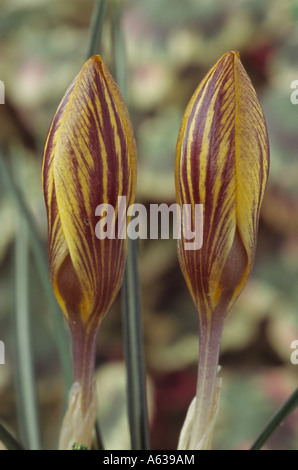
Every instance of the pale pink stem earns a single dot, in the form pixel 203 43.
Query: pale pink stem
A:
pixel 210 338
pixel 84 351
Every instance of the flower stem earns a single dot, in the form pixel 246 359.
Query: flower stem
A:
pixel 79 420
pixel 84 351
pixel 206 395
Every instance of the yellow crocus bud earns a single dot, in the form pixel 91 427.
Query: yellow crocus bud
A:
pixel 222 162
pixel 89 160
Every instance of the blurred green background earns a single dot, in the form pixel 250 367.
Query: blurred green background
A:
pixel 170 46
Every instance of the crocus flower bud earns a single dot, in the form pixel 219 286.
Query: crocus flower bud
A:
pixel 89 160
pixel 222 162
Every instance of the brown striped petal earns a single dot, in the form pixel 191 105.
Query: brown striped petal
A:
pixel 222 162
pixel 89 159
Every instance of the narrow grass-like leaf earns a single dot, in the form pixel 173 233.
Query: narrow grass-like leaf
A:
pixel 62 340
pixel 96 26
pixel 133 348
pixel 288 407
pixel 10 442
pixel 131 305
pixel 119 50
pixel 25 364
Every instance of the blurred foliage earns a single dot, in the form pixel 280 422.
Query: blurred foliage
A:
pixel 170 46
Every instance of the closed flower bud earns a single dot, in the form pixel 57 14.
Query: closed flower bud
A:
pixel 222 162
pixel 89 160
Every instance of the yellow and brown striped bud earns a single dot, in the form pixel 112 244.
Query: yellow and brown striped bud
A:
pixel 222 162
pixel 89 160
